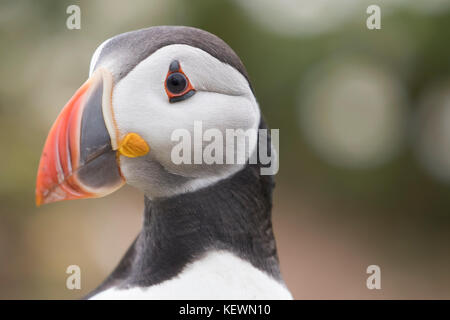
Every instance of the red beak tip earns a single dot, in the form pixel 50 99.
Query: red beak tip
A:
pixel 40 200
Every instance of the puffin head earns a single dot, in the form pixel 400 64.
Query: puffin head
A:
pixel 148 90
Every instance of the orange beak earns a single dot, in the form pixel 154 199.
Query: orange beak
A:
pixel 78 160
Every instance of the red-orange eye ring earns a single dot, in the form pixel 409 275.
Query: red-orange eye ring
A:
pixel 177 84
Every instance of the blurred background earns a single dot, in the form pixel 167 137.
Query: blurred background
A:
pixel 364 119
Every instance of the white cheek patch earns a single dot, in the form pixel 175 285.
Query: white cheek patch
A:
pixel 223 100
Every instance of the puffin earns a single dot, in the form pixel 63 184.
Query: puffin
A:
pixel 207 228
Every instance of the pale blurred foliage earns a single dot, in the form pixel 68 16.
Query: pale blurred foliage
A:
pixel 433 130
pixel 353 113
pixel 305 17
pixel 362 118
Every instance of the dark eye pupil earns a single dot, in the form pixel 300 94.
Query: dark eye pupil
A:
pixel 176 82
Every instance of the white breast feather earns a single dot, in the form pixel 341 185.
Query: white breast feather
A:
pixel 218 275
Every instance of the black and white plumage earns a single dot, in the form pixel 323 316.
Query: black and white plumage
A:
pixel 207 231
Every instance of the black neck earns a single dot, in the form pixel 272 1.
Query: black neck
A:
pixel 233 214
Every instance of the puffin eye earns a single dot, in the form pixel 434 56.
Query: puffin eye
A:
pixel 177 84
